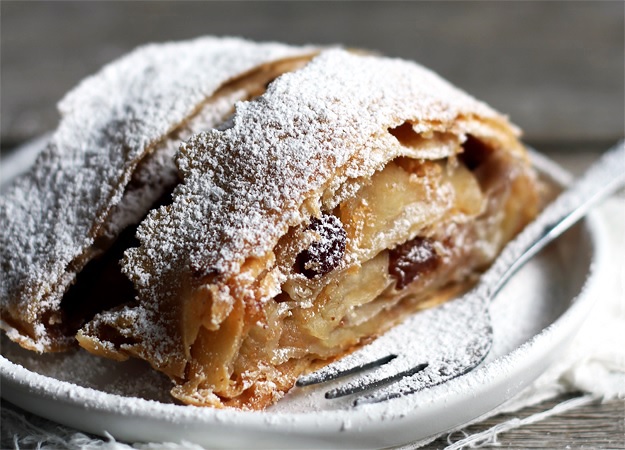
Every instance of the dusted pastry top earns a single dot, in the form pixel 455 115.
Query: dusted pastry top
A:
pixel 289 153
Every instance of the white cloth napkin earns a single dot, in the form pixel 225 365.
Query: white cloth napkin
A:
pixel 594 365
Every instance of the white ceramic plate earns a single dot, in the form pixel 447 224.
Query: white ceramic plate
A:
pixel 533 318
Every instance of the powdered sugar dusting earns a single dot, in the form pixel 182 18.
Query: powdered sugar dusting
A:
pixel 325 252
pixel 158 173
pixel 111 121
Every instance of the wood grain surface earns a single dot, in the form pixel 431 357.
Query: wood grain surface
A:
pixel 556 68
pixel 593 426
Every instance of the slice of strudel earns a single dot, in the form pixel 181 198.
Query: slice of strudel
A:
pixel 355 190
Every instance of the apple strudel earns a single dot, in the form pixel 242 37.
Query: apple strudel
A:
pixel 341 193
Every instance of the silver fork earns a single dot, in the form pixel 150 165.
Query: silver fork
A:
pixel 442 343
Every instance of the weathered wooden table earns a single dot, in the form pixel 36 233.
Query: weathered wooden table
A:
pixel 557 68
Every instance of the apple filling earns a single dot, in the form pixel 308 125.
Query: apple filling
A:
pixel 416 234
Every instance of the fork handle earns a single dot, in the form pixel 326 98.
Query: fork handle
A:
pixel 602 179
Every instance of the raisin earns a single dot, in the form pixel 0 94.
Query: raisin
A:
pixel 326 253
pixel 412 260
